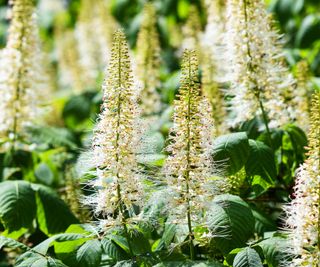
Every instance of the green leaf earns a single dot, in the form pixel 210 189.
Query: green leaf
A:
pixel 113 250
pixel 140 244
pixel 89 254
pixel 15 234
pixel 44 174
pixel 167 237
pixel 263 222
pixel 126 263
pixel 55 263
pixel 308 31
pixel 53 214
pixel 17 205
pixel 248 257
pixel 276 138
pixel 11 243
pixel 297 137
pixel 261 162
pixel 53 136
pixel 31 259
pixel 44 245
pixel 78 109
pixel 231 221
pixel 151 159
pixel 120 241
pixel 232 150
pixel 274 250
pixel 189 264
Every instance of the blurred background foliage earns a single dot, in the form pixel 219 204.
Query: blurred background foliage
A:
pixel 299 20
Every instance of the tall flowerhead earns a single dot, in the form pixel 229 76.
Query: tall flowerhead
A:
pixel 259 81
pixel 189 167
pixel 21 74
pixel 115 139
pixel 71 72
pixel 148 61
pixel 93 30
pixel 212 39
pixel 303 212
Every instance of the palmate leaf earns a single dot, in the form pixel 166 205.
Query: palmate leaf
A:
pixel 248 257
pixel 22 202
pixel 231 221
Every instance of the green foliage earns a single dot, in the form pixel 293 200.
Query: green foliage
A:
pixel 22 202
pixel 52 136
pixel 50 222
pixel 261 166
pixel 248 257
pixel 11 243
pixel 232 150
pixel 231 222
pixel 87 255
pixel 17 205
pixel 274 250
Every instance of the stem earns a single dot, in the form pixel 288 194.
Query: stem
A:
pixel 266 121
pixel 124 222
pixel 120 201
pixel 191 236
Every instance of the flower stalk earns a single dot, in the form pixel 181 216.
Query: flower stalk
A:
pixel 304 212
pixel 115 143
pixel 148 61
pixel 260 83
pixel 189 166
pixel 23 78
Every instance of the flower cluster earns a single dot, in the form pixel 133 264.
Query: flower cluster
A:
pixel 189 166
pixel 71 72
pixel 115 140
pixel 212 39
pixel 148 61
pixel 93 33
pixel 303 212
pixel 258 76
pixel 22 76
